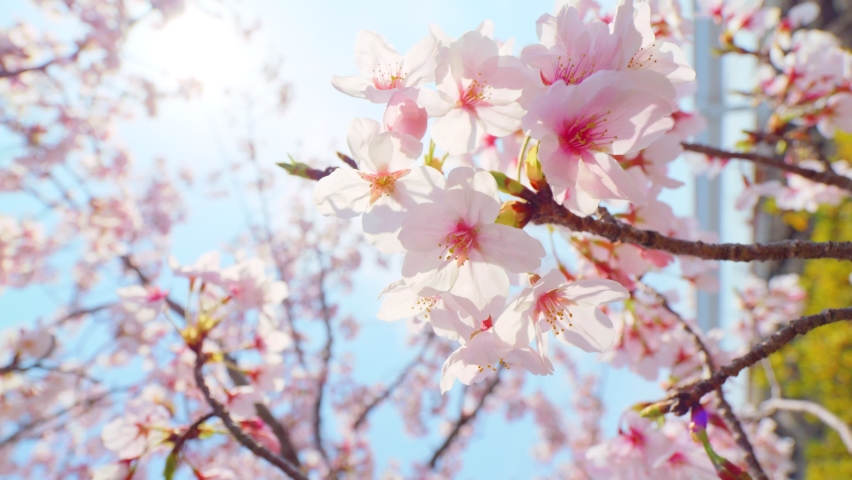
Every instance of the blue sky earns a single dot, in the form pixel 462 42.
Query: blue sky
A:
pixel 315 41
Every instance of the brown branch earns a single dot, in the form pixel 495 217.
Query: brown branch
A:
pixel 737 432
pixel 42 67
pixel 826 177
pixel 325 356
pixel 464 419
pixel 145 281
pixel 288 451
pixel 546 211
pixel 829 419
pixel 684 400
pixel 286 448
pixel 236 432
pixel 24 429
pixel 393 386
pixel 740 437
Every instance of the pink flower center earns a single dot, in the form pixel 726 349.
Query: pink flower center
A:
pixel 155 294
pixel 475 95
pixel 586 134
pixel 570 72
pixel 459 243
pixel 388 77
pixel 382 183
pixel 554 307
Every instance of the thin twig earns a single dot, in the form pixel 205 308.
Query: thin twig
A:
pixel 238 434
pixel 85 403
pixel 325 356
pixel 464 419
pixel 826 177
pixel 829 419
pixel 396 383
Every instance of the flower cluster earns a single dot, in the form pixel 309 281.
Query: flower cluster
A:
pixel 598 101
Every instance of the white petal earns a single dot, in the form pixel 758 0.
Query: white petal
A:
pixel 510 248
pixel 343 194
pixel 353 86
pixel 595 291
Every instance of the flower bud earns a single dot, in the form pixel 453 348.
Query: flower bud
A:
pixel 699 419
pixel 403 115
pixel 532 167
pixel 514 214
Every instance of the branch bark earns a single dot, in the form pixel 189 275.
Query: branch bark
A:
pixel 544 210
pixel 396 383
pixel 827 177
pixel 682 402
pixel 829 419
pixel 219 410
pixel 730 417
pixel 464 419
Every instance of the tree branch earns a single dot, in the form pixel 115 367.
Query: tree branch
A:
pixel 731 419
pixel 464 419
pixel 826 177
pixel 396 383
pixel 544 210
pixel 682 402
pixel 325 356
pixel 829 419
pixel 286 448
pixel 238 434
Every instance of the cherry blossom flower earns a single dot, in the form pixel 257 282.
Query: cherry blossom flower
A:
pixel 477 92
pixel 143 303
pixel 403 114
pixel 455 246
pixel 248 283
pixel 386 184
pixel 133 435
pixel 571 309
pixel 487 349
pixel 384 71
pixel 581 126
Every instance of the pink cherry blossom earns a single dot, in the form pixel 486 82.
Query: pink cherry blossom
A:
pixel 386 184
pixel 571 309
pixel 403 114
pixel 488 349
pixel 477 92
pixel 581 126
pixel 455 246
pixel 384 71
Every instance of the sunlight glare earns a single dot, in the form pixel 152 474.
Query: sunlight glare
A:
pixel 200 46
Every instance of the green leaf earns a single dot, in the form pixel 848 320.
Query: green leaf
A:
pixel 171 465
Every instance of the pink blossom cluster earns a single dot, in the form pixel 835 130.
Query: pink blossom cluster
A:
pixel 597 98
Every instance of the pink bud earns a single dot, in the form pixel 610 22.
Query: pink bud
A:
pixel 403 115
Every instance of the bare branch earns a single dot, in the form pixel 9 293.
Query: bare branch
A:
pixel 827 177
pixel 396 383
pixel 238 434
pixel 287 449
pixel 325 356
pixel 829 419
pixel 26 428
pixel 683 401
pixel 464 419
